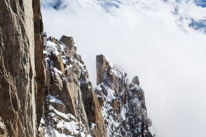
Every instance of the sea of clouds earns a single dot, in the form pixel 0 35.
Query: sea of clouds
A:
pixel 148 38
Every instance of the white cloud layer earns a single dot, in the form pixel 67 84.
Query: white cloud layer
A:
pixel 152 40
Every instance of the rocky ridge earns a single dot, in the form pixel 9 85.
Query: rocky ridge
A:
pixel 45 89
pixel 122 103
pixel 72 108
pixel 75 108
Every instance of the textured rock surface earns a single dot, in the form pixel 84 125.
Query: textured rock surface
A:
pixel 116 107
pixel 122 103
pixel 72 108
pixel 3 129
pixel 17 68
pixel 39 60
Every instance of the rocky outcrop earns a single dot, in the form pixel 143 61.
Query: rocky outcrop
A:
pixel 71 107
pixel 137 111
pixel 115 107
pixel 122 103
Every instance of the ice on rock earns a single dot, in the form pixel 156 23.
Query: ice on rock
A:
pixel 57 71
pixel 151 130
pixel 98 87
pixel 62 47
pixel 123 113
pixel 51 48
pixel 53 99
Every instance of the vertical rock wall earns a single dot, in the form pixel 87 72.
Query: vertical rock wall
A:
pixel 39 59
pixel 19 43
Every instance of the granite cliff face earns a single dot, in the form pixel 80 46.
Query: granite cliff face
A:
pixel 45 89
pixel 19 44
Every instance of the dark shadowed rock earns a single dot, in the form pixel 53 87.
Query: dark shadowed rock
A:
pixel 135 80
pixel 39 59
pixel 124 110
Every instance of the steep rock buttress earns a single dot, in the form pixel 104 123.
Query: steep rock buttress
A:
pixel 19 66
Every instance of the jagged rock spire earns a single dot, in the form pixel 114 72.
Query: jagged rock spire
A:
pixel 101 66
pixel 135 80
pixel 122 103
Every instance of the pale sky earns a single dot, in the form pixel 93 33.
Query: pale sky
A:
pixel 151 39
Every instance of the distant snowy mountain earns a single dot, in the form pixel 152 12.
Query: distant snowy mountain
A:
pixel 185 10
pixel 198 25
pixel 201 3
pixel 56 4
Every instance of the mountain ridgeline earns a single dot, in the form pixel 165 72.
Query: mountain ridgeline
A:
pixel 45 89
